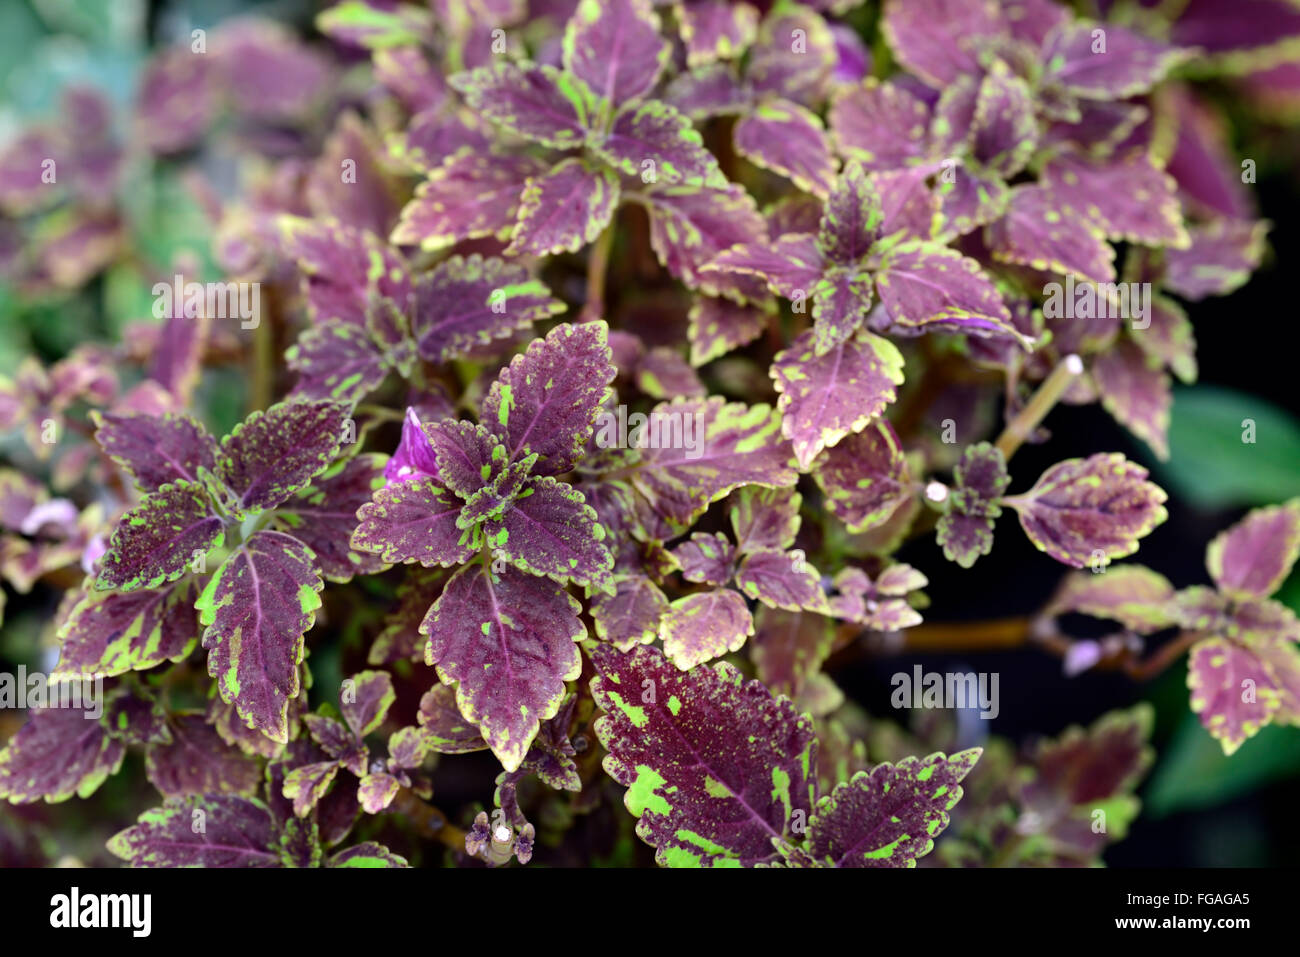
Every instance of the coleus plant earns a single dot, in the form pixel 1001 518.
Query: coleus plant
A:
pixel 784 237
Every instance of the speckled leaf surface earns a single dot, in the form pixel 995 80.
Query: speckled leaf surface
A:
pixel 1252 558
pixel 507 642
pixel 615 47
pixel 156 450
pixel 58 752
pixel 255 610
pixel 415 521
pixel 888 816
pixel 864 478
pixel 546 401
pixel 237 832
pixel 155 542
pixel 272 454
pixel 702 626
pixel 826 397
pixel 466 302
pixel 110 634
pixel 1081 509
pixel 716 768
pixel 323 516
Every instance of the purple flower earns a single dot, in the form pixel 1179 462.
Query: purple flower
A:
pixel 414 455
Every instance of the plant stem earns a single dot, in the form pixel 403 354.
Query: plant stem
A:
pixel 597 266
pixel 429 819
pixel 1028 418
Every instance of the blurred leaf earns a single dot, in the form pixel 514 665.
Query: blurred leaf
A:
pixel 121 21
pixel 1210 465
pixel 20 29
pixel 1194 773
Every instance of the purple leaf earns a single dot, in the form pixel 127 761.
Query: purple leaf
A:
pixel 781 579
pixel 1036 233
pixel 880 125
pixel 788 139
pixel 970 198
pixel 154 542
pixel 841 301
pixel 790 265
pixel 443 727
pixel 824 398
pixel 337 362
pixel 1090 510
pixel 706 558
pixel 342 267
pixel 889 816
pixel 109 634
pixel 1129 198
pixel 1169 338
pixel 272 454
pixel 708 91
pixel 864 478
pixel 1222 256
pixel 468 302
pixel 716 769
pixel 907 203
pixel 547 400
pixel 851 221
pixel 664 373
pixel 656 142
pixel 689 227
pixel 1231 691
pixel 324 516
pixel 564 209
pixel 922 283
pixel 538 102
pixel 1106 62
pixel 255 610
pixel 732 445
pixel 789 649
pixel 366 707
pixel 718 326
pixel 938 40
pixel 965 530
pixel 1004 128
pixel 237 832
pixel 549 529
pixel 197 761
pixel 793 56
pixel 1134 596
pixel 630 616
pixel 765 518
pixel 615 48
pixel 508 644
pixel 57 753
pixel 1136 392
pixel 368 198
pixel 468 456
pixel 415 521
pixel 702 626
pixel 156 450
pixel 716 29
pixel 1252 558
pixel 470 196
